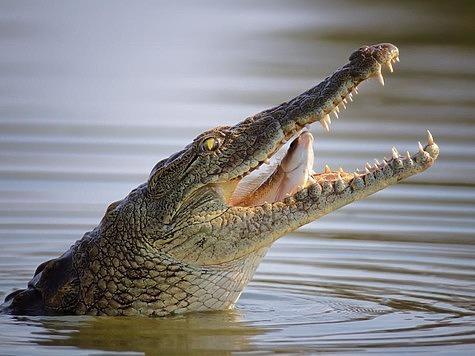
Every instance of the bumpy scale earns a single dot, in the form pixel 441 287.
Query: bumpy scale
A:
pixel 181 243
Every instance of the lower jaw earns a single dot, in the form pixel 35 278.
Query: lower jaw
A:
pixel 372 178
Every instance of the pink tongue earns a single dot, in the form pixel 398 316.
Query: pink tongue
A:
pixel 278 180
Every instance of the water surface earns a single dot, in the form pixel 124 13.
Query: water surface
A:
pixel 94 94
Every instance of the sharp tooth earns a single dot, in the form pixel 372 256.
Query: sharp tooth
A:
pixel 337 109
pixel 341 170
pixel 430 139
pixel 366 170
pixel 397 59
pixel 421 149
pixel 356 90
pixel 325 125
pixel 376 161
pixel 350 96
pixel 390 67
pixel 343 104
pixel 379 76
pixel 327 169
pixel 327 118
pixel 368 166
pixel 408 155
pixel 345 101
pixel 395 153
pixel 335 113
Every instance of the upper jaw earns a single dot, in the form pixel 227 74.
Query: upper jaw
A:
pixel 272 128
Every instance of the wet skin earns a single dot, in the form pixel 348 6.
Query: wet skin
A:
pixel 191 237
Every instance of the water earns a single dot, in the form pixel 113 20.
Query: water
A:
pixel 94 94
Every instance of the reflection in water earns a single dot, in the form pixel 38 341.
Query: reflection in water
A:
pixel 92 96
pixel 201 332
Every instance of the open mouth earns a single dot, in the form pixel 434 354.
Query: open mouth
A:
pixel 287 171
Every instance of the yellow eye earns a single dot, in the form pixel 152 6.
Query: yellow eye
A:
pixel 210 144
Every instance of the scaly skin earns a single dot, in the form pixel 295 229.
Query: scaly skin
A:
pixel 176 244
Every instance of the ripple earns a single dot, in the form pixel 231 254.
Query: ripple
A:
pixel 87 108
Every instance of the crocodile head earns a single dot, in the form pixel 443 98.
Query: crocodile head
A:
pixel 216 207
pixel 191 237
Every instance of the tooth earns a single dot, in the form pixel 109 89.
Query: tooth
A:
pixel 408 155
pixel 395 153
pixel 421 149
pixel 390 67
pixel 356 90
pixel 340 170
pixel 343 104
pixel 337 109
pixel 430 139
pixel 376 161
pixel 345 101
pixel 350 96
pixel 368 166
pixel 379 76
pixel 335 113
pixel 357 171
pixel 366 170
pixel 397 59
pixel 327 169
pixel 325 124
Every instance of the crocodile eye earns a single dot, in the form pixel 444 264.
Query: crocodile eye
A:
pixel 210 144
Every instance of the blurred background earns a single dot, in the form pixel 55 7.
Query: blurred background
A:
pixel 93 94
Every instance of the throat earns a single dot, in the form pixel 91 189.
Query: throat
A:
pixel 282 178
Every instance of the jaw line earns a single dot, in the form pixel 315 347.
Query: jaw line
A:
pixel 299 127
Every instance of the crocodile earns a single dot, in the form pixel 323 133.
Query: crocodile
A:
pixel 191 237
